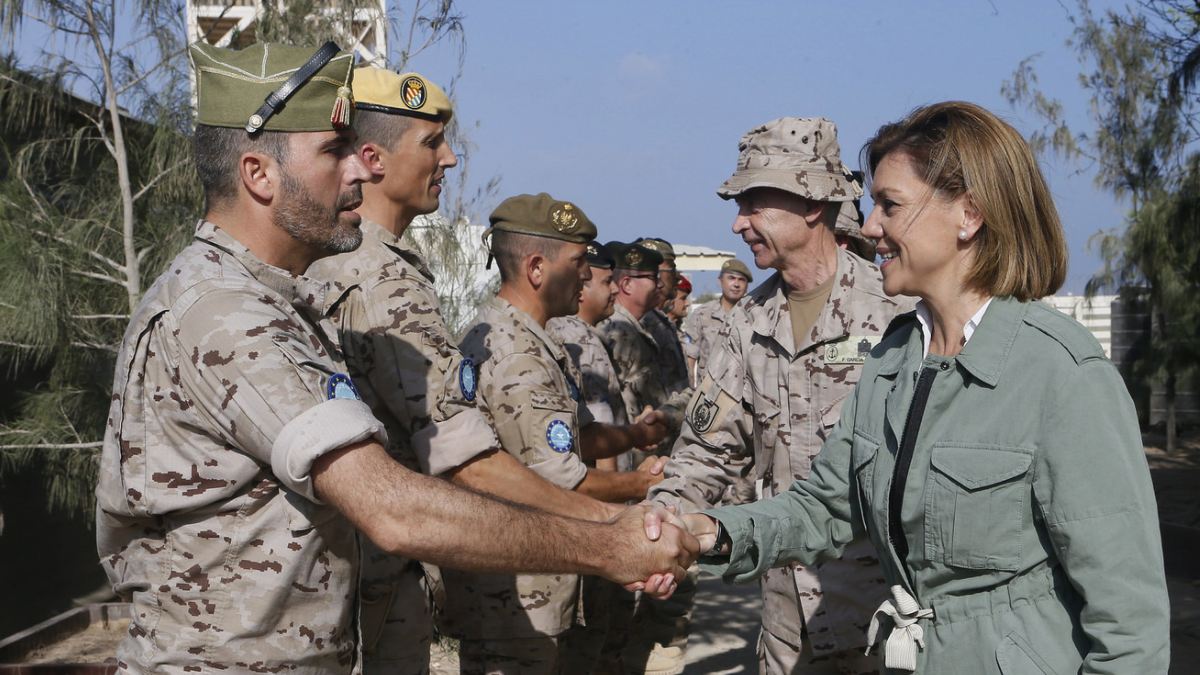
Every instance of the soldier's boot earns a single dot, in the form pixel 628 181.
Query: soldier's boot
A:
pixel 659 635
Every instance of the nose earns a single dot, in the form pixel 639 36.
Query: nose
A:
pixel 872 227
pixel 586 273
pixel 449 159
pixel 356 170
pixel 740 224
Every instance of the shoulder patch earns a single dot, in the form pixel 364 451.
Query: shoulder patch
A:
pixel 559 436
pixel 340 386
pixel 468 378
pixel 1068 332
pixel 705 415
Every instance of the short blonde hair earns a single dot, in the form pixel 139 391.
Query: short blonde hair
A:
pixel 958 147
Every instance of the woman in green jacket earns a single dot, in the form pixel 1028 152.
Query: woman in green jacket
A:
pixel 990 450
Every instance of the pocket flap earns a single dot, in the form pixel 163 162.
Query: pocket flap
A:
pixel 551 401
pixel 980 466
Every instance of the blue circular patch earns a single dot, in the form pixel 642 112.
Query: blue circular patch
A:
pixel 340 386
pixel 467 379
pixel 559 436
pixel 572 388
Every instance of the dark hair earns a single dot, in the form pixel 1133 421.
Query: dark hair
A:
pixel 382 129
pixel 217 150
pixel 958 148
pixel 512 248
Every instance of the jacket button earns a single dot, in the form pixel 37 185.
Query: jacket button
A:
pixel 945 366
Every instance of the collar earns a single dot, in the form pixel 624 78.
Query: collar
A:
pixel 987 351
pixel 527 322
pixel 372 229
pixel 775 322
pixel 925 319
pixel 626 315
pixel 301 291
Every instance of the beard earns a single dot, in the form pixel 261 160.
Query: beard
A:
pixel 313 223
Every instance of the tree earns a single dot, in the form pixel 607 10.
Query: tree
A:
pixel 1139 149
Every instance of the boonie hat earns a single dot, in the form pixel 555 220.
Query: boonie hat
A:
pixel 735 266
pixel 381 90
pixel 635 257
pixel 661 245
pixel 273 87
pixel 796 155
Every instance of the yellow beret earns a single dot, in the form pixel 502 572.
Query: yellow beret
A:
pixel 409 94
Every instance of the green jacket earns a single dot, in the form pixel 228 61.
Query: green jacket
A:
pixel 1028 511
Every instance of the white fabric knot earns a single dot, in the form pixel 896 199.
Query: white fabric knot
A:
pixel 900 650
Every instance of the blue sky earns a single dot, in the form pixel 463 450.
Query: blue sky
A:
pixel 633 110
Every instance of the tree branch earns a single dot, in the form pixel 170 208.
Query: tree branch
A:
pixel 54 446
pixel 159 177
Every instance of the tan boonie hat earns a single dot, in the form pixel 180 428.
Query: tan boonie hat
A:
pixel 273 87
pixel 661 245
pixel 795 155
pixel 849 223
pixel 409 94
pixel 542 216
pixel 635 257
pixel 735 266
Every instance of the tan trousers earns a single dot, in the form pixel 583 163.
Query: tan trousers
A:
pixel 779 657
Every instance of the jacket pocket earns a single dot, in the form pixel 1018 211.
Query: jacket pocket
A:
pixel 863 453
pixel 1015 656
pixel 976 505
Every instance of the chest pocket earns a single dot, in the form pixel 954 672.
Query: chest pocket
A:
pixel 976 506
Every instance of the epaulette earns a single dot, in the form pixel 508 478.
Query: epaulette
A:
pixel 1076 339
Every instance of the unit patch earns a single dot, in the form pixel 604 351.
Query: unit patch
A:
pixel 559 436
pixel 413 92
pixel 703 414
pixel 467 379
pixel 851 351
pixel 340 386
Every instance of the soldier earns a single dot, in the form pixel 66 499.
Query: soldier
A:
pixel 238 459
pixel 403 361
pixel 789 355
pixel 682 303
pixel 671 362
pixel 706 320
pixel 510 624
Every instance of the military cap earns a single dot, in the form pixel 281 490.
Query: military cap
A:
pixel 735 266
pixel 684 285
pixel 543 216
pixel 598 256
pixel 411 95
pixel 660 245
pixel 800 156
pixel 635 257
pixel 273 87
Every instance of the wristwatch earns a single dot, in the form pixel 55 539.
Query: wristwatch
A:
pixel 722 539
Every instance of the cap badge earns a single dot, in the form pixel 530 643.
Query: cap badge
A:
pixel 565 219
pixel 413 92
pixel 592 250
pixel 634 257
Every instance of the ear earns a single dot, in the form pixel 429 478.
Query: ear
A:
pixel 373 157
pixel 535 270
pixel 813 211
pixel 972 218
pixel 260 175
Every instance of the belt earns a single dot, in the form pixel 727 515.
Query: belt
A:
pixel 900 650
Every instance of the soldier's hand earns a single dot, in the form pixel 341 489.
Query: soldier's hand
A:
pixel 643 564
pixel 654 466
pixel 702 527
pixel 651 427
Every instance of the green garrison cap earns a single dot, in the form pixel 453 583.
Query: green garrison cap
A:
pixel 661 245
pixel 635 257
pixel 735 266
pixel 543 216
pixel 409 94
pixel 598 256
pixel 273 87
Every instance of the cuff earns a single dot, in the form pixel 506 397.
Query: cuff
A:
pixel 566 471
pixel 321 429
pixel 742 564
pixel 451 443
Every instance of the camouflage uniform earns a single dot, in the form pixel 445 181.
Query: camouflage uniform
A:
pixel 763 396
pixel 635 355
pixel 225 394
pixel 406 367
pixel 672 363
pixel 599 387
pixel 528 383
pixel 701 327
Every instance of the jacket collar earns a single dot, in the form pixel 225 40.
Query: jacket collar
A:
pixel 833 324
pixel 506 308
pixel 301 291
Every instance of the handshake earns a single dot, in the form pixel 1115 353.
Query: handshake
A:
pixel 652 547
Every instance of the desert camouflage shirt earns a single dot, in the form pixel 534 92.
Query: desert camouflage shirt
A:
pixel 406 367
pixel 672 363
pixel 767 396
pixel 226 391
pixel 531 388
pixel 599 387
pixel 635 355
pixel 701 328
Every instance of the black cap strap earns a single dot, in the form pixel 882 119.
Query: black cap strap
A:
pixel 277 98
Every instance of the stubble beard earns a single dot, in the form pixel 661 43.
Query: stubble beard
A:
pixel 313 223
